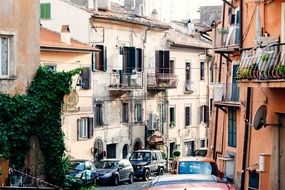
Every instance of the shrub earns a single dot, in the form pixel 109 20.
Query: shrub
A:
pixel 176 153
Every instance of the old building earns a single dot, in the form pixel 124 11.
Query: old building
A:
pixel 249 114
pixel 19 45
pixel 61 52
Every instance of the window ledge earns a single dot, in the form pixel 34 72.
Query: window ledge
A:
pixel 8 78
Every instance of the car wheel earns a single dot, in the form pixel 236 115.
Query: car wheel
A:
pixel 160 171
pixel 131 178
pixel 116 180
pixel 146 175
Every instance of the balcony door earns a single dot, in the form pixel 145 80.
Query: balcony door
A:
pixel 235 88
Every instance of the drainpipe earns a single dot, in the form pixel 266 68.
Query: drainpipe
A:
pixel 246 130
pixel 219 80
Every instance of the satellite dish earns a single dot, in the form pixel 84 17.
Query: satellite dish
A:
pixel 260 117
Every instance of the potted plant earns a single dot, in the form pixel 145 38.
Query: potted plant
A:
pixel 176 153
pixel 244 73
pixel 281 70
pixel 171 124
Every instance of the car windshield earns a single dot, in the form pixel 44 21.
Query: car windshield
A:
pixel 195 167
pixel 79 166
pixel 107 164
pixel 140 156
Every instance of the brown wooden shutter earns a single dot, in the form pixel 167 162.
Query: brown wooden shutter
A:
pixel 78 129
pixel 166 61
pixel 90 127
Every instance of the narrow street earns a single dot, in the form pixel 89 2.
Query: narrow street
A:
pixel 137 185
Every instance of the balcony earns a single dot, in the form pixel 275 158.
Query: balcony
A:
pixel 227 39
pixel 226 94
pixel 161 81
pixel 262 67
pixel 126 81
pixel 189 87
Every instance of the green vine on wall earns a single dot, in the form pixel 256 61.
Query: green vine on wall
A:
pixel 36 114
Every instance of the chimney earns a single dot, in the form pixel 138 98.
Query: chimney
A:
pixel 93 5
pixel 65 34
pixel 104 4
pixel 154 14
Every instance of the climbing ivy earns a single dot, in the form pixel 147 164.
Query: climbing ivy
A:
pixel 37 113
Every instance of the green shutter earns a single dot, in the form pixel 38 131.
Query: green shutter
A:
pixel 131 59
pixel 105 65
pixel 45 10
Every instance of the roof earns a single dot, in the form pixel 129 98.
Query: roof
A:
pixel 194 186
pixel 179 39
pixel 196 158
pixel 51 40
pixel 118 13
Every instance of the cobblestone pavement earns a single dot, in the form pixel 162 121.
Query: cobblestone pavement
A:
pixel 136 185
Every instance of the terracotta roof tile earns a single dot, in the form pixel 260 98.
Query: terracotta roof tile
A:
pixel 52 39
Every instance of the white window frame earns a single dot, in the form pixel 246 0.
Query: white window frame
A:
pixel 83 128
pixel 8 56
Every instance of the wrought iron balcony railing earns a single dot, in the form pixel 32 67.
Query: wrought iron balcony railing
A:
pixel 262 64
pixel 161 80
pixel 126 81
pixel 226 92
pixel 227 37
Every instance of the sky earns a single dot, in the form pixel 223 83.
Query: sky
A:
pixel 177 9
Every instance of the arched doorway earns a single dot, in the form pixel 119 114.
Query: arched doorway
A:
pixel 98 150
pixel 125 151
pixel 137 144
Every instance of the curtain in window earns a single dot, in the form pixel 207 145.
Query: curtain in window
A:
pixel 4 55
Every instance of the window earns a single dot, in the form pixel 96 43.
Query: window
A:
pixel 85 78
pixel 212 73
pixel 162 62
pixel 99 114
pixel 45 10
pixel 189 148
pixel 204 113
pixel 125 113
pixel 51 67
pixel 188 71
pixel 187 116
pixel 202 71
pixel 4 56
pixel 232 127
pixel 84 128
pixel 138 113
pixel 172 115
pixel 99 59
pixel 132 60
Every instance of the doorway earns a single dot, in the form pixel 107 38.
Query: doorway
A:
pixel 111 151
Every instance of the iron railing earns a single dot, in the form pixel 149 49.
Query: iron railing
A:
pixel 132 81
pixel 161 80
pixel 266 63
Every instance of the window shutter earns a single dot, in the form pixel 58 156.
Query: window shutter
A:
pixel 201 113
pixel 78 129
pixel 93 61
pixel 139 60
pixel 190 115
pixel 85 78
pixel 42 10
pixel 206 116
pixel 159 61
pixel 90 127
pixel 105 65
pixel 106 113
pixel 48 10
pixel 187 116
pixel 131 59
pixel 166 61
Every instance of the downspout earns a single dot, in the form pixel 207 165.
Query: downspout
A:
pixel 246 130
pixel 219 80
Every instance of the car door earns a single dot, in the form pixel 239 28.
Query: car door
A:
pixel 122 170
pixel 153 165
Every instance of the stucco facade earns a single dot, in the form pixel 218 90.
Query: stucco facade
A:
pixel 257 159
pixel 23 44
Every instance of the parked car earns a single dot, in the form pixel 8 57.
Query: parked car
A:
pixel 114 171
pixel 188 181
pixel 195 165
pixel 146 162
pixel 84 170
pixel 200 152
